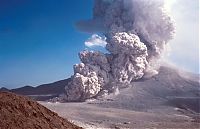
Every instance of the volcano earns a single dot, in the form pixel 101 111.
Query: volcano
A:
pixel 170 99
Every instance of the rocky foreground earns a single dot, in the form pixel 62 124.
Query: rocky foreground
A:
pixel 18 112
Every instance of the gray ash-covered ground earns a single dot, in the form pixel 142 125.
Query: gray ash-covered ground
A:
pixel 167 100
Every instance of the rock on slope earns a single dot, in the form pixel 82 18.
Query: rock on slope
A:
pixel 17 112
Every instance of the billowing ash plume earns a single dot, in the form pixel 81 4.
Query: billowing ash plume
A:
pixel 136 32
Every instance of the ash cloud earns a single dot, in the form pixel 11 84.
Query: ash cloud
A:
pixel 136 34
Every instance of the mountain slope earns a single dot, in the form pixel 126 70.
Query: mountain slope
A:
pixel 169 99
pixel 41 92
pixel 51 88
pixel 166 88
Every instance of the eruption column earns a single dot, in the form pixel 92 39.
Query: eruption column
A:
pixel 136 32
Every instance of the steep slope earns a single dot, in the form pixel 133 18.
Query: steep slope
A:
pixel 17 112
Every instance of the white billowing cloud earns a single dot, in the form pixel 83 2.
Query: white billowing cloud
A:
pixel 96 40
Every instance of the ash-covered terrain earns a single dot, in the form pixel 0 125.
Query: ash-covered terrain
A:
pixel 168 100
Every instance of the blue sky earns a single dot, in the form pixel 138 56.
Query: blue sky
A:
pixel 39 42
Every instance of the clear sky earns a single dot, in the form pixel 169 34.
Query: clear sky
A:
pixel 39 42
